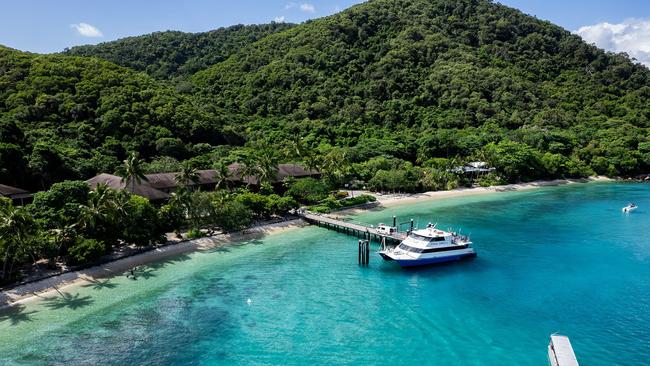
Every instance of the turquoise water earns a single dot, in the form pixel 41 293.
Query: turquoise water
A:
pixel 556 259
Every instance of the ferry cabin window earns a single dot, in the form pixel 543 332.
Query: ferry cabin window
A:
pixel 419 237
pixel 425 239
pixel 410 248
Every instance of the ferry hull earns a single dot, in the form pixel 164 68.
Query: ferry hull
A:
pixel 431 261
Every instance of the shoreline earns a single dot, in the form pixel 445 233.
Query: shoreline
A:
pixel 392 200
pixel 462 192
pixel 49 286
pixel 53 285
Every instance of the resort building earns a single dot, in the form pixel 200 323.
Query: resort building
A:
pixel 474 168
pixel 17 195
pixel 166 182
pixel 143 188
pixel 159 186
pixel 284 171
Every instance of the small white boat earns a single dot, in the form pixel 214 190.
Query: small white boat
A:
pixel 385 229
pixel 560 351
pixel 429 246
pixel 630 207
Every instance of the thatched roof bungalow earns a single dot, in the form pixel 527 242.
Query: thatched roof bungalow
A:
pixel 284 171
pixel 17 195
pixel 166 182
pixel 143 189
pixel 159 186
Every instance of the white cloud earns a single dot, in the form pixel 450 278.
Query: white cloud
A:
pixel 305 7
pixel 279 19
pixel 632 36
pixel 87 30
pixel 308 8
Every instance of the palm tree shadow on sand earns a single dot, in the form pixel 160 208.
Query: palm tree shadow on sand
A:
pixel 220 249
pixel 141 272
pixel 228 248
pixel 100 285
pixel 16 314
pixel 162 264
pixel 69 301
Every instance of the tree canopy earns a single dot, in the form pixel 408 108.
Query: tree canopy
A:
pixel 412 80
pixel 171 54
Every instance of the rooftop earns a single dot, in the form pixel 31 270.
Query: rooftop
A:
pixel 12 192
pixel 143 189
pixel 284 171
pixel 156 183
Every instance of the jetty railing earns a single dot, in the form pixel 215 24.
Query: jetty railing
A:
pixel 360 230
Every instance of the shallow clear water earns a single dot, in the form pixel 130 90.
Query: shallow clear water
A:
pixel 556 259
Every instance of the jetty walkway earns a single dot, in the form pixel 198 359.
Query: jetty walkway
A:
pixel 361 231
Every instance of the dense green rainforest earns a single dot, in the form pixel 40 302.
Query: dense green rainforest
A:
pixel 403 82
pixel 389 94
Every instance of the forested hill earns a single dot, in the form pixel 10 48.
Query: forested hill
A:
pixel 443 78
pixel 64 117
pixel 390 90
pixel 165 55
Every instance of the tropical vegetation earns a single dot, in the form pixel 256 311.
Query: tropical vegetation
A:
pixel 389 95
pixel 409 81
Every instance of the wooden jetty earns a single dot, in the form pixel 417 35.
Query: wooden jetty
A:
pixel 359 230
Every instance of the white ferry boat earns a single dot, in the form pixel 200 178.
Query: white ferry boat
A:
pixel 429 246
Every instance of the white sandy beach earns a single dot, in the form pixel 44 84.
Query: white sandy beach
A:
pixel 390 200
pixel 50 286
pixel 31 291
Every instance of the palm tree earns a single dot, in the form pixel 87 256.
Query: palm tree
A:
pixel 100 217
pixel 299 149
pixel 249 168
pixel 102 207
pixel 133 172
pixel 17 232
pixel 312 162
pixel 222 175
pixel 267 166
pixel 335 165
pixel 187 176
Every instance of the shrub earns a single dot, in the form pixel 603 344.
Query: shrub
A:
pixel 491 180
pixel 308 190
pixel 141 226
pixel 59 206
pixel 341 195
pixel 434 179
pixel 232 216
pixel 255 202
pixel 85 251
pixel 277 205
pixel 195 234
pixel 171 217
pixel 394 180
pixel 332 204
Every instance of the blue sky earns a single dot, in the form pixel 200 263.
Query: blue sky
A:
pixel 51 25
